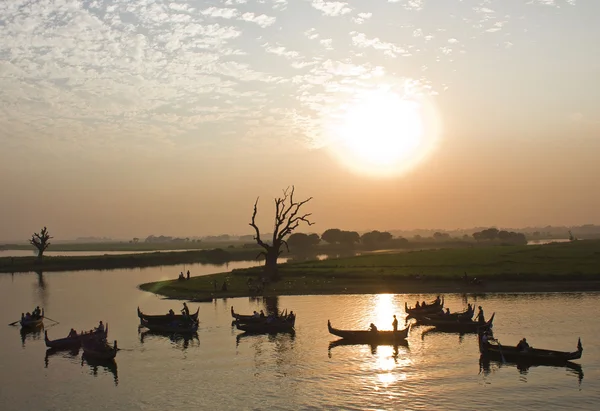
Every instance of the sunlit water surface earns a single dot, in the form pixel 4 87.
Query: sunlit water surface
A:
pixel 217 371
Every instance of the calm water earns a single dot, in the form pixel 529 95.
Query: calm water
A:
pixel 33 253
pixel 218 371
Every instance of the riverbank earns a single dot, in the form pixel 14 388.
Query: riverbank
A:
pixel 560 267
pixel 109 262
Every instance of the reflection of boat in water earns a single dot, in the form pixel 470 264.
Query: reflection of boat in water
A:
pixel 185 338
pixel 371 337
pixel 31 333
pixel 373 347
pixel 271 337
pixel 488 366
pixel 174 327
pixel 70 354
pixel 99 350
pixel 96 364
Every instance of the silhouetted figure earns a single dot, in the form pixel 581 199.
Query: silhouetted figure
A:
pixel 480 317
pixel 373 328
pixel 448 312
pixel 185 310
pixel 188 274
pixel 523 345
pixel 224 286
pixel 395 324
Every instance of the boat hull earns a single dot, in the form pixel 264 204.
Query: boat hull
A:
pixel 371 337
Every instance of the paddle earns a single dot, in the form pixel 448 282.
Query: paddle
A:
pixel 500 349
pixel 47 318
pixel 15 322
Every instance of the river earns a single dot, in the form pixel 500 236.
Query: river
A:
pixel 218 371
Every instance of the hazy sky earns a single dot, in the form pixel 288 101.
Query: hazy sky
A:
pixel 126 118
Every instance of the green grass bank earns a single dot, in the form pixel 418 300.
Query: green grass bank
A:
pixel 573 266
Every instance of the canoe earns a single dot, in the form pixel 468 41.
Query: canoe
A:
pixel 166 318
pixel 99 351
pixel 176 327
pixel 371 337
pixel 246 319
pixel 274 326
pixel 68 343
pixel 532 356
pixel 457 326
pixel 462 315
pixel 32 322
pixel 431 308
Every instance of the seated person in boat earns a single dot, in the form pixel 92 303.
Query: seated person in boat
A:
pixel 37 313
pixel 418 305
pixel 100 328
pixel 262 314
pixel 447 313
pixel 171 313
pixel 291 316
pixel 181 276
pixel 523 345
pixel 373 328
pixel 255 314
pixel 28 316
pixel 423 304
pixel 438 300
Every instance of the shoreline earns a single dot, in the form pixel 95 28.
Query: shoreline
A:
pixel 176 290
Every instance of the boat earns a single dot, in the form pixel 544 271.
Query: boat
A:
pixel 32 322
pixel 99 350
pixel 432 308
pixel 461 315
pixel 175 327
pixel 247 319
pixel 75 341
pixel 166 318
pixel 268 326
pixel 371 337
pixel 531 356
pixel 457 326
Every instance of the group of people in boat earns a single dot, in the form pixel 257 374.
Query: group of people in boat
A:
pixel 36 314
pixel 373 327
pixel 437 301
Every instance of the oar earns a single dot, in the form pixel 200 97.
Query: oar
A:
pixel 500 349
pixel 47 318
pixel 15 322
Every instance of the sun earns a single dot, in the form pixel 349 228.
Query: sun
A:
pixel 382 133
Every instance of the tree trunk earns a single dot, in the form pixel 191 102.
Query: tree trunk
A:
pixel 271 271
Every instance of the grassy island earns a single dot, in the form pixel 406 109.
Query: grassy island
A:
pixel 573 266
pixel 115 261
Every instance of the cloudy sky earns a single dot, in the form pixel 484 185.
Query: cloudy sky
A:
pixel 127 118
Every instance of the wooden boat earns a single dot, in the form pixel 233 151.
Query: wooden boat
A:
pixel 457 326
pixel 531 356
pixel 99 350
pixel 166 318
pixel 68 343
pixel 175 327
pixel 370 337
pixel 267 326
pixel 431 308
pixel 32 322
pixel 246 319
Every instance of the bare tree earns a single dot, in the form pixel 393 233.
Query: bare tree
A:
pixel 41 241
pixel 287 219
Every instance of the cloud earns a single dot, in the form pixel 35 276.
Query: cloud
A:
pixel 331 8
pixel 159 75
